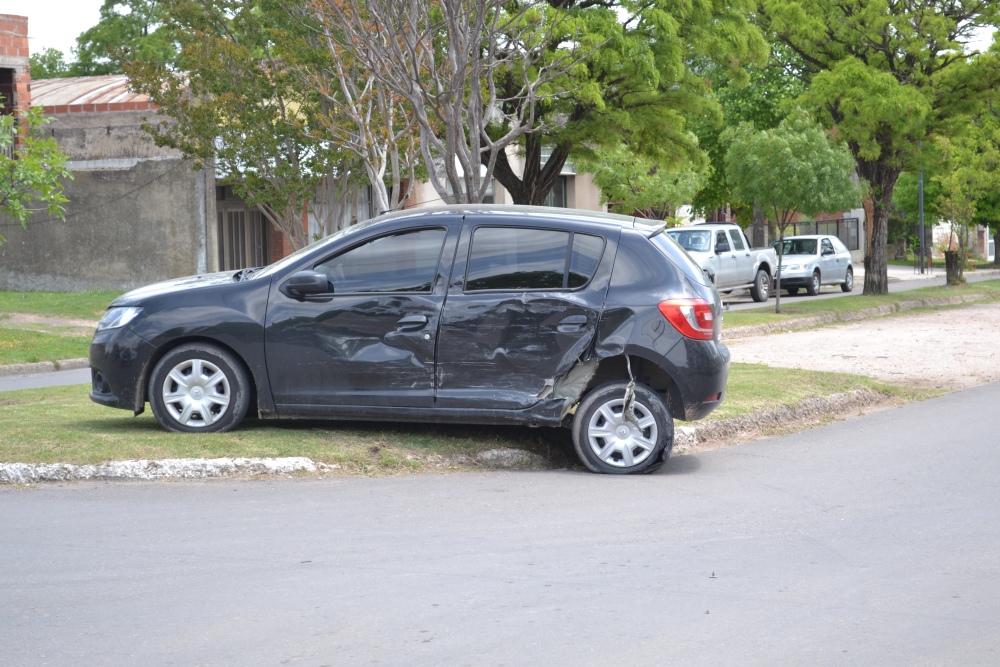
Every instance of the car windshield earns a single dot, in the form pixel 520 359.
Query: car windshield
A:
pixel 799 247
pixel 694 240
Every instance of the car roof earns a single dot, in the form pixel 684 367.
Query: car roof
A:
pixel 522 211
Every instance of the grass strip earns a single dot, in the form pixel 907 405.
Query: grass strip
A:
pixel 846 307
pixel 78 305
pixel 19 347
pixel 61 424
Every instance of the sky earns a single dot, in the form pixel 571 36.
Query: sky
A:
pixel 56 23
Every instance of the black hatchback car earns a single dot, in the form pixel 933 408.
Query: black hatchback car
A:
pixel 468 314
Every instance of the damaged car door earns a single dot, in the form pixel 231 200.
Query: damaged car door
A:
pixel 369 338
pixel 523 306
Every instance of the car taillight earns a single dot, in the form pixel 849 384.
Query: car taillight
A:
pixel 692 317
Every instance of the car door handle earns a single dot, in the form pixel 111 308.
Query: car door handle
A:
pixel 412 323
pixel 572 324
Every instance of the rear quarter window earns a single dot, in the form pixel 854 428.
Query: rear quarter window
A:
pixel 679 257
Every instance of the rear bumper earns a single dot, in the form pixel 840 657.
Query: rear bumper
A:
pixel 118 359
pixel 702 381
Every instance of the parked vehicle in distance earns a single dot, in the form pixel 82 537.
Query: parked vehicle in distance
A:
pixel 725 254
pixel 813 261
pixel 468 314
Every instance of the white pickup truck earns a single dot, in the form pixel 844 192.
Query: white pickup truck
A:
pixel 724 253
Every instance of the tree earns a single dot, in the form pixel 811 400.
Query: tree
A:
pixel 642 85
pixel 136 25
pixel 632 184
pixel 794 168
pixel 970 161
pixel 447 60
pixel 49 64
pixel 30 172
pixel 763 97
pixel 886 75
pixel 239 108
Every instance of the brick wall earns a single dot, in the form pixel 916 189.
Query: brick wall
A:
pixel 14 77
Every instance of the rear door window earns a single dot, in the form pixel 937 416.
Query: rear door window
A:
pixel 514 258
pixel 737 239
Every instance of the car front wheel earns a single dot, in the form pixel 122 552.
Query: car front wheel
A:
pixel 607 440
pixel 761 288
pixel 199 388
pixel 848 283
pixel 812 287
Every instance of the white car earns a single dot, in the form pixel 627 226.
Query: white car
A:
pixel 813 261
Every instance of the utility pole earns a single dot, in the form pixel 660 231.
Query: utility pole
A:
pixel 920 209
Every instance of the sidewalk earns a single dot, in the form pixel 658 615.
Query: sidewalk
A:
pixel 908 273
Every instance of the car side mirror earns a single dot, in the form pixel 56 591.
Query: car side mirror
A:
pixel 827 251
pixel 304 283
pixel 721 248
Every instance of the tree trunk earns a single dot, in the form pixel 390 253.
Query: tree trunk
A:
pixel 996 245
pixel 759 228
pixel 882 179
pixel 953 267
pixel 536 181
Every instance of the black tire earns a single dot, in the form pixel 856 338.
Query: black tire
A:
pixel 215 401
pixel 647 444
pixel 792 291
pixel 848 283
pixel 761 288
pixel 812 287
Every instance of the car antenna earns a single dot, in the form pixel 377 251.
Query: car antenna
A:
pixel 659 230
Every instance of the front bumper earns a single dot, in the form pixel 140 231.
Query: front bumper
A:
pixel 118 360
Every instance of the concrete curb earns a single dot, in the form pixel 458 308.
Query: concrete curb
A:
pixel 758 424
pixel 43 367
pixel 854 316
pixel 32 473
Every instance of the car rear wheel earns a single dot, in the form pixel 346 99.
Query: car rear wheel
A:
pixel 848 283
pixel 199 388
pixel 761 288
pixel 609 441
pixel 812 287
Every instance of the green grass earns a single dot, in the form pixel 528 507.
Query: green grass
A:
pixel 61 424
pixel 77 305
pixel 754 387
pixel 793 309
pixel 18 346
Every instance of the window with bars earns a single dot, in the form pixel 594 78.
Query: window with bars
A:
pixel 243 238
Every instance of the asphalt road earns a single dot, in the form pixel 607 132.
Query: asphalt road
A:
pixel 872 541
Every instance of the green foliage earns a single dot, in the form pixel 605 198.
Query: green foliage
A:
pixel 886 75
pixel 638 88
pixel 793 168
pixel 32 173
pixel 763 99
pixel 632 183
pixel 49 64
pixel 137 26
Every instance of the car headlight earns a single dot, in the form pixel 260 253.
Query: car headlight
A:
pixel 118 317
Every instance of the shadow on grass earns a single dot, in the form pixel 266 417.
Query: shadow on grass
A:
pixel 553 444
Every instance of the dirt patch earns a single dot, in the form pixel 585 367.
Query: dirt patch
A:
pixel 47 324
pixel 946 349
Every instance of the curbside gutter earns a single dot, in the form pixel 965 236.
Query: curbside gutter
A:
pixel 851 316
